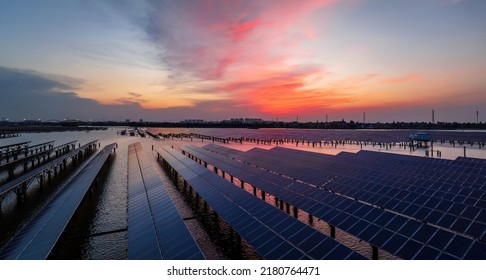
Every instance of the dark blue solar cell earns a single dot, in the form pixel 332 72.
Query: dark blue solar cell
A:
pixel 440 239
pixel 374 199
pixel 365 196
pixel 401 206
pixel 421 199
pixel 338 218
pixel 323 249
pixel 434 216
pixel 391 204
pixel 384 219
pixel 458 246
pixel 470 212
pixel 276 219
pixel 354 207
pixel 293 254
pixel 461 225
pixel 382 201
pixel 362 210
pixel 470 201
pixel 259 238
pixel 444 206
pixel 339 253
pixel 300 235
pixel 357 227
pixel 410 210
pixel 396 223
pixel 323 211
pixel 326 213
pixel 311 241
pixel 446 256
pixel 369 232
pixel 286 224
pixel 482 216
pixel 345 204
pixel 401 195
pixel 422 213
pixel 432 202
pixel 373 214
pixel 427 253
pixel 267 246
pixel 409 250
pixel 477 252
pixel 394 244
pixel 447 220
pixel 424 233
pixel 381 237
pixel 409 228
pixel 347 223
pixel 410 197
pixel 476 194
pixel 476 229
pixel 481 203
pixel 456 209
pixel 279 251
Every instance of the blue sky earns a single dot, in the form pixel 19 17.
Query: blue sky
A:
pixel 174 60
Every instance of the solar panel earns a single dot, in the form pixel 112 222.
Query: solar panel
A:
pixel 338 211
pixel 36 239
pixel 428 197
pixel 155 228
pixel 270 237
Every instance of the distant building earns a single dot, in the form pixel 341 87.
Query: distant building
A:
pixel 253 120
pixel 193 121
pixel 244 121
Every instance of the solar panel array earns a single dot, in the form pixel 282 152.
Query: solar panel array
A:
pixel 29 176
pixel 272 233
pixel 406 185
pixel 38 237
pixel 155 227
pixel 377 179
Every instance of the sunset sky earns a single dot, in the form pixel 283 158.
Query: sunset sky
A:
pixel 396 60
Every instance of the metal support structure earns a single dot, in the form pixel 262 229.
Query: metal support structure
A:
pixel 374 254
pixel 333 231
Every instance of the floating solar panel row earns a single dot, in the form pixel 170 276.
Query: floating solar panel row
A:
pixel 445 190
pixel 155 228
pixel 424 168
pixel 29 175
pixel 37 238
pixel 273 234
pixel 14 146
pixel 475 228
pixel 382 229
pixel 22 151
pixel 412 201
pixel 384 160
pixel 223 150
pixel 421 168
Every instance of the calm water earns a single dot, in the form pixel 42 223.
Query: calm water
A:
pixel 106 209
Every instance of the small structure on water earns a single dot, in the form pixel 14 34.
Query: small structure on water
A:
pixel 420 136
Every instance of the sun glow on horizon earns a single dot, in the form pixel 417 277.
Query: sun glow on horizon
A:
pixel 238 57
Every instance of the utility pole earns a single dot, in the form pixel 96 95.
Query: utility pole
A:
pixel 433 116
pixel 477 117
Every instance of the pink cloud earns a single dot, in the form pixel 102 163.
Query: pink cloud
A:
pixel 207 38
